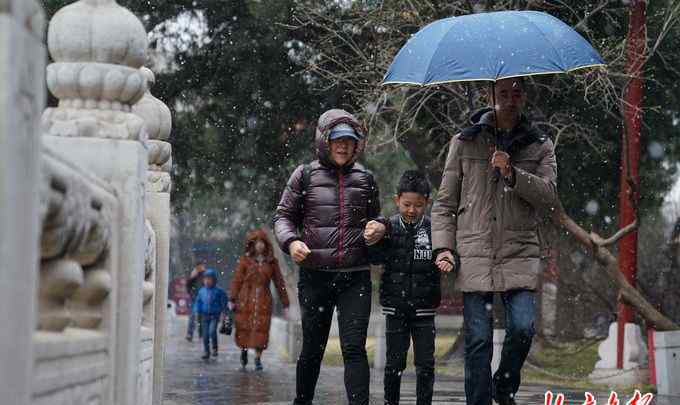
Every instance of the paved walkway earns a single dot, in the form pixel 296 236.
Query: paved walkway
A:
pixel 190 380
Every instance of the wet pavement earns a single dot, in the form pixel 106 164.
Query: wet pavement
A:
pixel 190 380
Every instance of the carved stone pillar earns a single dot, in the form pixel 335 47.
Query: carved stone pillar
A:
pixel 145 374
pixel 22 98
pixel 98 48
pixel 158 125
pixel 76 329
pixel 76 233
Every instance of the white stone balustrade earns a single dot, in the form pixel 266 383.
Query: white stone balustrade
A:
pixel 149 270
pixel 76 234
pixel 145 371
pixel 73 345
pixel 634 358
pixel 84 209
pixel 157 125
pixel 98 48
pixel 22 99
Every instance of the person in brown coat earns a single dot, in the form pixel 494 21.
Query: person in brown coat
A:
pixel 251 299
pixel 485 229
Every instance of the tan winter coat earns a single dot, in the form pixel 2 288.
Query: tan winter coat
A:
pixel 491 226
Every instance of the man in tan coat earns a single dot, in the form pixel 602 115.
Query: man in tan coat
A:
pixel 484 228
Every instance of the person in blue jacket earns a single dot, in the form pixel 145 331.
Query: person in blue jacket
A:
pixel 211 306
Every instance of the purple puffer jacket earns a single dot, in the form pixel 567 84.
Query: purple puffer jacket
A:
pixel 330 213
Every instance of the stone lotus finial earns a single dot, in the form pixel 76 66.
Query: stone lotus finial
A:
pixel 158 125
pixel 98 31
pixel 97 47
pixel 156 115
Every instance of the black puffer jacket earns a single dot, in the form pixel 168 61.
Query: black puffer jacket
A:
pixel 411 282
pixel 329 206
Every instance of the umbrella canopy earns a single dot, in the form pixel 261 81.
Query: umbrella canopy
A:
pixel 490 47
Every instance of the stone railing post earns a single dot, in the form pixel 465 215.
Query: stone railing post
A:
pixel 98 48
pixel 158 125
pixel 22 99
pixel 74 355
pixel 146 344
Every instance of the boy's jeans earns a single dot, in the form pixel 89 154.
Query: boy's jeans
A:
pixel 519 330
pixel 319 293
pixel 209 325
pixel 398 333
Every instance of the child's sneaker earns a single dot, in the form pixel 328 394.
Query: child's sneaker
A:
pixel 189 338
pixel 206 356
pixel 214 353
pixel 258 364
pixel 244 358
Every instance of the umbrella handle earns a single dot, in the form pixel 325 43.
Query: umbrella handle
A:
pixel 496 171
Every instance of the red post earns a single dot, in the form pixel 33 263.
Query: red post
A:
pixel 630 156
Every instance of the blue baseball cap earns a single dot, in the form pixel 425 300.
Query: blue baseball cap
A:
pixel 343 131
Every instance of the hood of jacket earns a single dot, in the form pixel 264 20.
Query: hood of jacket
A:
pixel 251 239
pixel 211 273
pixel 326 122
pixel 522 135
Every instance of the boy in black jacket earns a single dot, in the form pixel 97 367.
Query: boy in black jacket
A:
pixel 410 287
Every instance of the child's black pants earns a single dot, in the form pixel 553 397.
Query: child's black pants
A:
pixel 399 330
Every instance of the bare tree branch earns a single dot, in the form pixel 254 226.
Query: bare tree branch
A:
pixel 609 263
pixel 597 239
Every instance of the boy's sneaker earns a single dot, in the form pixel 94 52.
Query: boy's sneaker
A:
pixel 214 352
pixel 258 364
pixel 244 358
pixel 206 356
pixel 189 338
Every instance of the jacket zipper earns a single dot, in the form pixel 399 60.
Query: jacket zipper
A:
pixel 341 199
pixel 499 222
pixel 209 299
pixel 496 222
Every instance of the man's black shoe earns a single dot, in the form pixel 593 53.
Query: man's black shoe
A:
pixel 206 356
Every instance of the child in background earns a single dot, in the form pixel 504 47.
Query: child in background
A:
pixel 410 288
pixel 211 306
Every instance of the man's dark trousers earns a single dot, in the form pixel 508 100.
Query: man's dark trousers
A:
pixel 399 329
pixel 319 294
pixel 194 318
pixel 520 312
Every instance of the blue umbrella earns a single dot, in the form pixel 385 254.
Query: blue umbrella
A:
pixel 490 47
